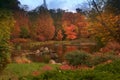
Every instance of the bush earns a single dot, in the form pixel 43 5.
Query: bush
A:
pixel 24 32
pixel 76 58
pixel 46 58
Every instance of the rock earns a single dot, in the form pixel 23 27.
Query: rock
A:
pixel 52 62
pixel 38 51
pixel 46 49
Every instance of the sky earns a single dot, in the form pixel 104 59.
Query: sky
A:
pixel 69 5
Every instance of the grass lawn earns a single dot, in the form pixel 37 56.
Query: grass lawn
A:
pixel 15 70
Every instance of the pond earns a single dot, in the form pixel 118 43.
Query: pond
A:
pixel 53 51
pixel 58 49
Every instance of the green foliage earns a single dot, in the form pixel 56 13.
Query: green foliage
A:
pixel 109 71
pixel 100 59
pixel 103 72
pixel 74 75
pixel 100 44
pixel 77 58
pixel 14 70
pixel 24 32
pixel 46 58
pixel 113 67
pixel 6 22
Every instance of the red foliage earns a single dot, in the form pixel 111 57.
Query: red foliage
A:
pixel 70 32
pixel 69 67
pixel 65 67
pixel 35 73
pixel 76 19
pixel 40 38
pixel 46 68
pixel 111 46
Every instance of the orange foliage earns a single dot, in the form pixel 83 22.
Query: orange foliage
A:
pixel 70 32
pixel 59 35
pixel 21 20
pixel 76 19
pixel 46 68
pixel 45 29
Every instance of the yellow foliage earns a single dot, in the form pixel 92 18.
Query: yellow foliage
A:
pixel 110 31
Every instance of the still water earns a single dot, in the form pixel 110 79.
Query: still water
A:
pixel 59 50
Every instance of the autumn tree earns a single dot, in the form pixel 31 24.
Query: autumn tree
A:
pixel 21 28
pixel 57 20
pixel 99 31
pixel 76 19
pixel 44 25
pixel 105 23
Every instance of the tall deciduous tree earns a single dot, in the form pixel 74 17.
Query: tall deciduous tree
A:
pixel 57 19
pixel 45 29
pixel 108 7
pixel 76 19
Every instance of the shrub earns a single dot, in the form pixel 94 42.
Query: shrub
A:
pixel 24 32
pixel 77 58
pixel 46 58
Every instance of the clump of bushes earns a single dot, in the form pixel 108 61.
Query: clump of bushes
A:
pixel 76 58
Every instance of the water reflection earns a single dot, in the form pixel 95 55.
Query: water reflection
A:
pixel 53 51
pixel 60 50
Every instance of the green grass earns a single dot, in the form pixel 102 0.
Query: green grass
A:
pixel 14 70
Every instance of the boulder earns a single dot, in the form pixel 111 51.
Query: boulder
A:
pixel 52 61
